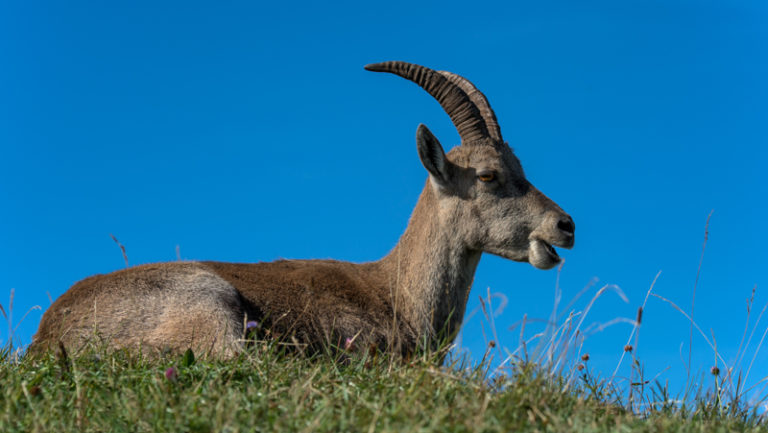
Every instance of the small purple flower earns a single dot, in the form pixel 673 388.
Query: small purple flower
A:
pixel 348 343
pixel 171 374
pixel 251 324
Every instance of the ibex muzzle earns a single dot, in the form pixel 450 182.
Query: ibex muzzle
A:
pixel 476 200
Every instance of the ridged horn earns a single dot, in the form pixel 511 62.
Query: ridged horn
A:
pixel 466 116
pixel 481 102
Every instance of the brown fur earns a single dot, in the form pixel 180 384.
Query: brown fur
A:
pixel 148 306
pixel 320 301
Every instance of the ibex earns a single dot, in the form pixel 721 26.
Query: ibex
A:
pixel 476 200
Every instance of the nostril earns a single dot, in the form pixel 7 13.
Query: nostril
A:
pixel 566 225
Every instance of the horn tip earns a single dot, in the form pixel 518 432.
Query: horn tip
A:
pixel 376 67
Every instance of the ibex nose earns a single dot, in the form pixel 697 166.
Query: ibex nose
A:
pixel 566 225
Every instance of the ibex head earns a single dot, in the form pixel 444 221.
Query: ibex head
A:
pixel 481 190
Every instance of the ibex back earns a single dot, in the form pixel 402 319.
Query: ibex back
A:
pixel 476 200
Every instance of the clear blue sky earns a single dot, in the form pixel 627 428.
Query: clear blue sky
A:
pixel 249 131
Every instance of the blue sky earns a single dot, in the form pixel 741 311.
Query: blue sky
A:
pixel 245 131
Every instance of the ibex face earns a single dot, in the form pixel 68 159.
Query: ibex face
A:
pixel 494 208
pixel 482 192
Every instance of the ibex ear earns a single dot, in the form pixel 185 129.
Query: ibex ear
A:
pixel 432 156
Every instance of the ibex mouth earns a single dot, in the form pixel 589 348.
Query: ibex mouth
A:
pixel 542 255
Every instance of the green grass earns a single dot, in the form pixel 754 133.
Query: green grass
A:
pixel 265 390
pixel 544 386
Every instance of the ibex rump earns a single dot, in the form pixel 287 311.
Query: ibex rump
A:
pixel 476 200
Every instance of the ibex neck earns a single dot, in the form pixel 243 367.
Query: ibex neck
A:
pixel 431 271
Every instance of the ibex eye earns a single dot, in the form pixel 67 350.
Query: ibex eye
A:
pixel 486 176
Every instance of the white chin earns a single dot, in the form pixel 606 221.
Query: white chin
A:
pixel 541 255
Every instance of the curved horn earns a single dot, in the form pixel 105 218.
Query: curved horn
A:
pixel 481 102
pixel 465 115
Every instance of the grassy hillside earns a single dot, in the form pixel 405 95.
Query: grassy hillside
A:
pixel 265 390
